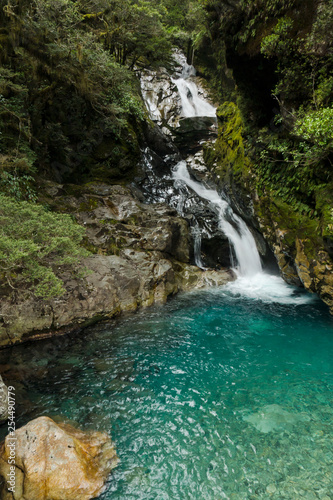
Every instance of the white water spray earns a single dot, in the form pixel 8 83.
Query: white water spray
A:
pixel 192 103
pixel 234 227
pixel 252 282
pixel 196 233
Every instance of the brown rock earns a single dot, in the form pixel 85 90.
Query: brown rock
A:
pixel 56 462
pixel 303 266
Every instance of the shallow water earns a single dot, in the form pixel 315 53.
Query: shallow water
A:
pixel 218 394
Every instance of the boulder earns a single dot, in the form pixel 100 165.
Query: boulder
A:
pixel 56 462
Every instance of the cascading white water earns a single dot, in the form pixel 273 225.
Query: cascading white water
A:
pixel 196 233
pixel 192 104
pixel 234 227
pixel 252 282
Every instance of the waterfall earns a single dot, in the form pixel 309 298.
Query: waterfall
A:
pixel 196 233
pixel 183 193
pixel 234 227
pixel 192 104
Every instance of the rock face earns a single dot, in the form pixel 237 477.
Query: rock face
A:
pixel 141 256
pixel 300 250
pixel 160 91
pixel 56 462
pixel 3 401
pixel 162 99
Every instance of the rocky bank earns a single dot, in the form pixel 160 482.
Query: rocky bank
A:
pixel 297 240
pixel 140 255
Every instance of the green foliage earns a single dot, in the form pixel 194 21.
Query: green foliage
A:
pixel 317 127
pixel 19 187
pixel 278 41
pixel 295 166
pixel 33 244
pixel 134 33
pixel 62 91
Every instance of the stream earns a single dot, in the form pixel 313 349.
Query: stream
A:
pixel 225 393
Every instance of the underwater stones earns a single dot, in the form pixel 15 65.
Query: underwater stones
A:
pixel 3 401
pixel 274 418
pixel 57 461
pixel 271 488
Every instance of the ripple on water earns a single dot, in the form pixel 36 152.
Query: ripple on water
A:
pixel 213 396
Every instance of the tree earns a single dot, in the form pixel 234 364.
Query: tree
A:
pixel 134 33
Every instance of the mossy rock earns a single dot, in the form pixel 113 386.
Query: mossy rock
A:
pixel 229 145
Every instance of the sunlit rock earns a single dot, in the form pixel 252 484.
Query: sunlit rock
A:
pixel 56 461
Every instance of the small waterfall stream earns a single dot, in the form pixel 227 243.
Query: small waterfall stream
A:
pixel 192 103
pixel 240 237
pixel 196 233
pixel 234 227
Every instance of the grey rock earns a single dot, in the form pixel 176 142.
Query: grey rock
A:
pixel 142 258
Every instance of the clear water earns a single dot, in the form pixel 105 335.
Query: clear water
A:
pixel 215 395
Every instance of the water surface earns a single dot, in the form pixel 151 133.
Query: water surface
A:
pixel 215 395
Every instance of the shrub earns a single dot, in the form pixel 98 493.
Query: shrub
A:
pixel 35 242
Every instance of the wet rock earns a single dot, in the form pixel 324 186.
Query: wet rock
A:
pixel 192 132
pixel 161 97
pixel 271 488
pixel 216 250
pixel 57 461
pixel 303 266
pixel 197 167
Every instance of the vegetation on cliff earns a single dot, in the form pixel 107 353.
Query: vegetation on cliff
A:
pixel 33 244
pixel 70 110
pixel 281 58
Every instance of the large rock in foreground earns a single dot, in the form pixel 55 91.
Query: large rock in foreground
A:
pixel 56 462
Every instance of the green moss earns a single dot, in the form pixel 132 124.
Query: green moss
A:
pixel 229 145
pixel 227 158
pixel 90 204
pixel 324 207
pixel 290 222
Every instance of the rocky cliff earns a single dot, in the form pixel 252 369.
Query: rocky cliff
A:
pixel 297 240
pixel 271 64
pixel 140 256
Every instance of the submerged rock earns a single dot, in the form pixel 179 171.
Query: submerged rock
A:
pixel 274 418
pixel 56 462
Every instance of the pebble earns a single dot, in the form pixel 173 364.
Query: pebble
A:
pixel 271 488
